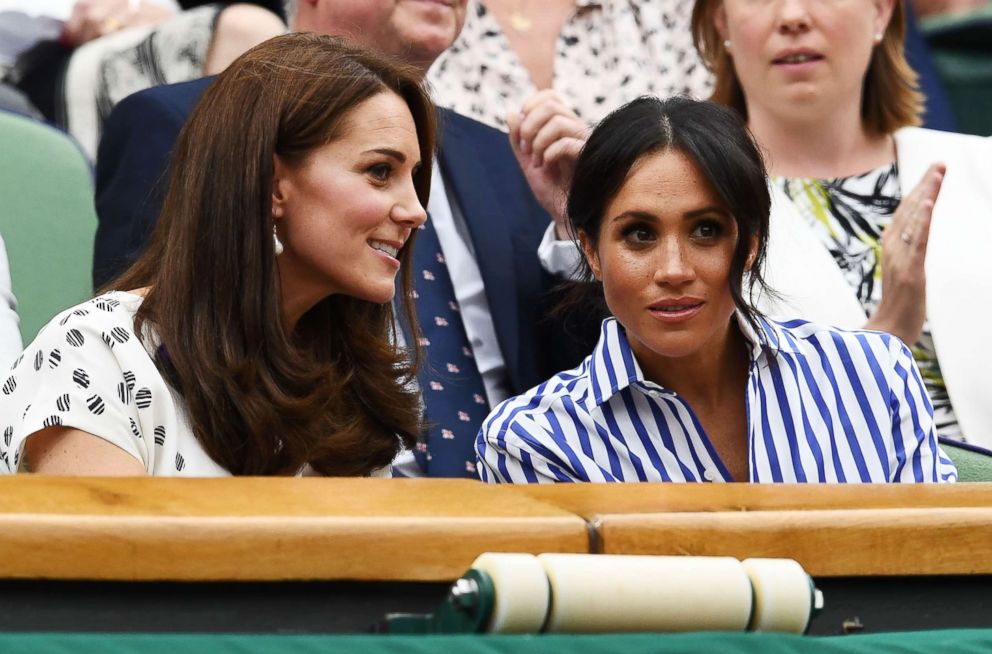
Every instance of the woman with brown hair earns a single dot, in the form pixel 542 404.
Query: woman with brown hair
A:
pixel 255 335
pixel 875 222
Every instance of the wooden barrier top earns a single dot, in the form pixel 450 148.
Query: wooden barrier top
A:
pixel 431 529
pixel 267 528
pixel 827 543
pixel 591 500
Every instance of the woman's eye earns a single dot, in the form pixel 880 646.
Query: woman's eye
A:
pixel 380 171
pixel 707 229
pixel 638 235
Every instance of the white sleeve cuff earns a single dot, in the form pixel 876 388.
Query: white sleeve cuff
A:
pixel 559 257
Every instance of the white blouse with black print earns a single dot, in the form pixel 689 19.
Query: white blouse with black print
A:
pixel 609 52
pixel 87 370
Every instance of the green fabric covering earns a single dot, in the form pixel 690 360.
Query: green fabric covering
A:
pixel 972 466
pixel 928 642
pixel 46 218
pixel 961 47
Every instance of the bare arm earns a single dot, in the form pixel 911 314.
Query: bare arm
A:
pixel 66 451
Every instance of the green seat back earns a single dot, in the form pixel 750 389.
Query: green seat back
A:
pixel 46 218
pixel 973 464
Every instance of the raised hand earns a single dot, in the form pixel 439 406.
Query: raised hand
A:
pixel 904 248
pixel 547 137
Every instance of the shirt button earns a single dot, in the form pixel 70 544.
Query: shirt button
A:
pixel 709 474
pixel 477 342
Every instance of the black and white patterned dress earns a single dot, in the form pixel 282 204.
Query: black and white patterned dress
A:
pixel 608 53
pixel 87 370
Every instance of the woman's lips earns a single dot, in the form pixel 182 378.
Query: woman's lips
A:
pixel 677 312
pixel 797 60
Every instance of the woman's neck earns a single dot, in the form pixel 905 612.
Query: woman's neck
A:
pixel 707 377
pixel 821 145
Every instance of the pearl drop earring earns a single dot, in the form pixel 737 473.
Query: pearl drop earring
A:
pixel 726 44
pixel 276 243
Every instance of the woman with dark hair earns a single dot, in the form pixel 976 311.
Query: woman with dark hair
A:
pixel 875 222
pixel 689 382
pixel 255 335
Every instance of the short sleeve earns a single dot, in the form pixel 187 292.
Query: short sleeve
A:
pixel 76 374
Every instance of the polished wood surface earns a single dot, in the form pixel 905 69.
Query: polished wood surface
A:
pixel 267 529
pixel 828 543
pixel 591 500
pixel 431 530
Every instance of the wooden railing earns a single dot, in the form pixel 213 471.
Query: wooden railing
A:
pixel 430 530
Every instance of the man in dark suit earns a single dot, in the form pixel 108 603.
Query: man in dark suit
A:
pixel 491 338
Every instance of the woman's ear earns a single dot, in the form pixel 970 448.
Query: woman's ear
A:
pixel 752 253
pixel 279 187
pixel 592 257
pixel 720 21
pixel 883 14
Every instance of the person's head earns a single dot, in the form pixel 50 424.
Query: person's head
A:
pixel 413 31
pixel 806 56
pixel 670 205
pixel 330 147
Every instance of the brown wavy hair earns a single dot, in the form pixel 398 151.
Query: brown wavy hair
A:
pixel 891 96
pixel 336 393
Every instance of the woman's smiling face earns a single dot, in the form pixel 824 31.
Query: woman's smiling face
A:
pixel 664 253
pixel 346 211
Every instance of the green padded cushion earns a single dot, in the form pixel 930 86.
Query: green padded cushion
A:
pixel 925 642
pixel 46 218
pixel 971 465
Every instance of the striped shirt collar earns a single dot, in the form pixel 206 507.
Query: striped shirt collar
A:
pixel 613 367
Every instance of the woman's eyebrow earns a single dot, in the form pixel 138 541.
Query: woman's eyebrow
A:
pixel 633 214
pixel 702 211
pixel 389 152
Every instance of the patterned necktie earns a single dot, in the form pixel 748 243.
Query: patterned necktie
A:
pixel 452 387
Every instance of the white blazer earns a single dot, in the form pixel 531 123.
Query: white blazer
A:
pixel 958 268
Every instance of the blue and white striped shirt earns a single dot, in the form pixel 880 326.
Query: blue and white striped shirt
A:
pixel 823 405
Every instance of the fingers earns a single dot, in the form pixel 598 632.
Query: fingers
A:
pixel 543 120
pixel 513 125
pixel 91 19
pixel 563 151
pixel 911 222
pixel 921 235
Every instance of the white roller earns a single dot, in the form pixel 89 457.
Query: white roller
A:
pixel 783 595
pixel 596 593
pixel 522 594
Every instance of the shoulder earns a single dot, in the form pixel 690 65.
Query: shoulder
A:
pixel 860 350
pixel 938 142
pixel 457 129
pixel 170 102
pixel 95 335
pixel 105 317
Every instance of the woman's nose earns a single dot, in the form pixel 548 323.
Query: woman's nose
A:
pixel 408 210
pixel 674 266
pixel 793 16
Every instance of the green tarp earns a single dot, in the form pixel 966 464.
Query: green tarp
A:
pixel 971 641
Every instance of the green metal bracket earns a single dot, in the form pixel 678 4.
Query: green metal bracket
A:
pixel 466 610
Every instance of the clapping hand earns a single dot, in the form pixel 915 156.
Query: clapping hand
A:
pixel 904 248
